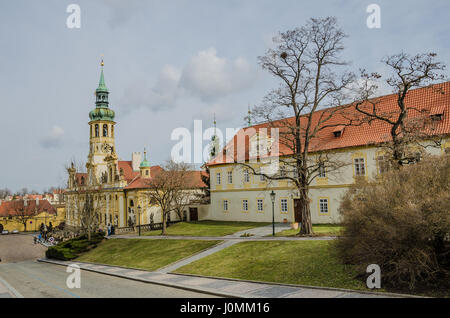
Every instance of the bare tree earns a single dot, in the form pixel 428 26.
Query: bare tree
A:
pixel 307 63
pixel 4 193
pixel 22 213
pixel 85 201
pixel 406 72
pixel 169 189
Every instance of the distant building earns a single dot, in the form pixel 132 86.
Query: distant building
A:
pixel 33 212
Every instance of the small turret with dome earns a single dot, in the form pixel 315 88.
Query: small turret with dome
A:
pixel 145 166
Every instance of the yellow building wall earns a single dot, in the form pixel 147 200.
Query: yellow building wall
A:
pixel 33 223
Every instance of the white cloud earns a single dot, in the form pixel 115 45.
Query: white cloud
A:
pixel 208 76
pixel 54 139
pixel 164 92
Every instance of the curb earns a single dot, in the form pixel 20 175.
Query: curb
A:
pixel 305 286
pixel 203 290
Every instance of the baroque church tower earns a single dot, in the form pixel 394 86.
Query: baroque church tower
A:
pixel 101 135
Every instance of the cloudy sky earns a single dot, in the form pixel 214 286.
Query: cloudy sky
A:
pixel 167 63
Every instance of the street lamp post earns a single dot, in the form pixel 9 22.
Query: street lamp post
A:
pixel 139 216
pixel 272 197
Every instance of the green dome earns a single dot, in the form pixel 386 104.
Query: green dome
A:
pixel 145 164
pixel 101 113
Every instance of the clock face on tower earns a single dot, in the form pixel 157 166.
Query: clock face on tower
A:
pixel 105 147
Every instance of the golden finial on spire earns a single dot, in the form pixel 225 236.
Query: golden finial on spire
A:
pixel 102 63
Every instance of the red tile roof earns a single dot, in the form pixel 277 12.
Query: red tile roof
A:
pixel 142 183
pixel 421 101
pixel 128 172
pixel 12 208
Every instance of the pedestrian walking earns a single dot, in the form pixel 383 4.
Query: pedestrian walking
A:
pixel 109 229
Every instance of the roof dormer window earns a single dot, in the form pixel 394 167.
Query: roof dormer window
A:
pixel 338 131
pixel 437 113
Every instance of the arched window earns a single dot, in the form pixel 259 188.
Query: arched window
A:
pixel 105 130
pixel 131 203
pixel 82 180
pixel 96 130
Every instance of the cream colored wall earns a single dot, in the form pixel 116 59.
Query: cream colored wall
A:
pixel 332 188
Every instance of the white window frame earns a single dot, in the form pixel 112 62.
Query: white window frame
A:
pixel 245 205
pixel 322 170
pixel 284 205
pixel 323 206
pixel 260 205
pixel 246 176
pixel 218 178
pixel 360 167
pixel 230 177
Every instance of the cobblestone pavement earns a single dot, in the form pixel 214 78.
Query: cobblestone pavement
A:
pixel 19 247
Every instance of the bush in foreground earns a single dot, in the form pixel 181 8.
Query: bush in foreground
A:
pixel 72 248
pixel 402 223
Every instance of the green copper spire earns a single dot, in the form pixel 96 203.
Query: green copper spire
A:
pixel 145 163
pixel 102 110
pixel 101 83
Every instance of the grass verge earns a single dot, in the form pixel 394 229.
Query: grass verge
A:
pixel 311 263
pixel 143 254
pixel 318 229
pixel 207 228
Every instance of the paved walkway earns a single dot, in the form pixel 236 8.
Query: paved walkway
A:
pixel 224 287
pixel 196 257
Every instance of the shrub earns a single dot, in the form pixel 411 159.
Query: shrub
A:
pixel 72 248
pixel 402 223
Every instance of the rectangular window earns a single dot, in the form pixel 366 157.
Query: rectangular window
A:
pixel 322 171
pixel 383 164
pixel 218 178
pixel 261 177
pixel 230 176
pixel 245 205
pixel 225 205
pixel 259 203
pixel 283 172
pixel 360 169
pixel 246 176
pixel 284 206
pixel 323 205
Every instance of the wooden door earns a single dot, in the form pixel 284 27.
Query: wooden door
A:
pixel 297 210
pixel 193 213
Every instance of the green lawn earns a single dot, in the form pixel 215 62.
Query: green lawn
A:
pixel 318 229
pixel 207 228
pixel 144 254
pixel 295 262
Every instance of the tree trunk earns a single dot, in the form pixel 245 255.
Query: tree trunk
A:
pixel 164 224
pixel 306 224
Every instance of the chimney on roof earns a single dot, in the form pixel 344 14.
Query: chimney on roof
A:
pixel 37 201
pixel 136 158
pixel 25 202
